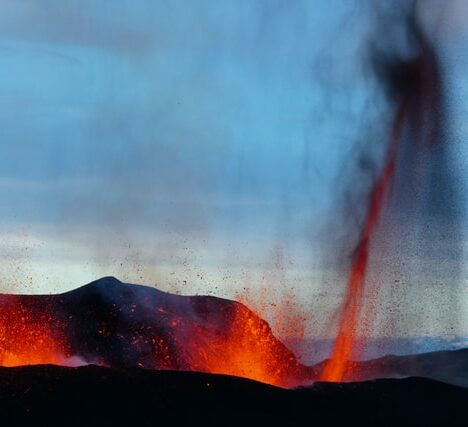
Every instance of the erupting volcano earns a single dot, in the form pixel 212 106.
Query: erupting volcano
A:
pixel 127 326
pixel 309 163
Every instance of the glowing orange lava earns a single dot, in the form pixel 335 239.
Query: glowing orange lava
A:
pixel 26 338
pixel 250 350
pixel 338 363
pixel 204 334
pixel 286 316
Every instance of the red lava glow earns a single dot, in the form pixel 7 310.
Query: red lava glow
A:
pixel 285 317
pixel 250 350
pixel 338 364
pixel 234 342
pixel 26 338
pixel 417 88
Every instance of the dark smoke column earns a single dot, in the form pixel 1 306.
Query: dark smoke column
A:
pixel 414 166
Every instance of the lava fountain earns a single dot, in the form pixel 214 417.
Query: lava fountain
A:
pixel 415 87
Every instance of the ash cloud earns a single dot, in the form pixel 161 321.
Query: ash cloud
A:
pixel 417 251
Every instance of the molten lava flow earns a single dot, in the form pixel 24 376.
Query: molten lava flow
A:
pixel 25 337
pixel 249 349
pixel 125 326
pixel 337 365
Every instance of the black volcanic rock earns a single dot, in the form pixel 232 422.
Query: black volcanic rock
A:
pixel 123 326
pixel 447 366
pixel 114 324
pixel 98 396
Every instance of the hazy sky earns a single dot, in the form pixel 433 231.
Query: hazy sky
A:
pixel 193 145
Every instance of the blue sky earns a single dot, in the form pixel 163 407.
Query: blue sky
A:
pixel 197 146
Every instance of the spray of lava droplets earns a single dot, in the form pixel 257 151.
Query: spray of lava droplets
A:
pixel 336 367
pixel 414 84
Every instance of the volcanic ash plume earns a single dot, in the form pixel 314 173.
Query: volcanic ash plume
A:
pixel 413 198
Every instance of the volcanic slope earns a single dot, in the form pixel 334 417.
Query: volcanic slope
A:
pixel 110 323
pixel 118 325
pixel 446 366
